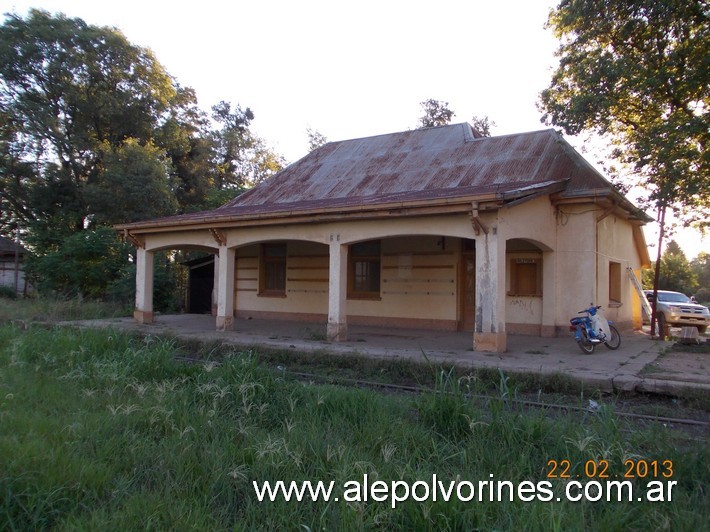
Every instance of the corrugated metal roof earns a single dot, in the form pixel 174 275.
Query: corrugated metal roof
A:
pixel 444 159
pixel 441 162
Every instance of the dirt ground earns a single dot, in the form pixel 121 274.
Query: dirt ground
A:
pixel 692 362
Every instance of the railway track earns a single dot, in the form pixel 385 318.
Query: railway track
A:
pixel 419 390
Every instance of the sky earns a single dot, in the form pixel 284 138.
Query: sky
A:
pixel 348 69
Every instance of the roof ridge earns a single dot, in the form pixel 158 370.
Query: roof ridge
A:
pixel 466 125
pixel 401 132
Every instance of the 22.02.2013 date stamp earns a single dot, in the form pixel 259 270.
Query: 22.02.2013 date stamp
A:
pixel 631 469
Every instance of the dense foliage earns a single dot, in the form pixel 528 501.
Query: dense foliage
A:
pixel 94 131
pixel 436 113
pixel 679 274
pixel 639 73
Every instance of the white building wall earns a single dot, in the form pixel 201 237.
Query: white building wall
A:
pixel 7 276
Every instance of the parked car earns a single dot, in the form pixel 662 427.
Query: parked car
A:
pixel 675 308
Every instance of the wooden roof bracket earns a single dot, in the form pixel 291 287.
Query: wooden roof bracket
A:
pixel 476 222
pixel 218 236
pixel 606 212
pixel 136 240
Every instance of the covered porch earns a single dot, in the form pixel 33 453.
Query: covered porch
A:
pixel 428 276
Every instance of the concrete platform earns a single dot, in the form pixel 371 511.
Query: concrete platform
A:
pixel 638 365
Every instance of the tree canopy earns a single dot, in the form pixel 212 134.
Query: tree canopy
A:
pixel 482 125
pixel 93 132
pixel 71 95
pixel 436 113
pixel 676 272
pixel 639 73
pixel 316 139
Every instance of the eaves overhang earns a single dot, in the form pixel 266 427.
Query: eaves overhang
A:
pixel 214 219
pixel 608 199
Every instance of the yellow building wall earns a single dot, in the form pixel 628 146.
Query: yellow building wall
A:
pixel 420 274
pixel 575 256
pixel 306 296
pixel 532 222
pixel 616 245
pixel 418 284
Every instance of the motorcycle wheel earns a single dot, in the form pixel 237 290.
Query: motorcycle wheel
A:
pixel 615 340
pixel 584 344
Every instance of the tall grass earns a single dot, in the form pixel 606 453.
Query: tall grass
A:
pixel 102 430
pixel 54 310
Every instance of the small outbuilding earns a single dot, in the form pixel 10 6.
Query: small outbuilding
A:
pixel 433 228
pixel 12 270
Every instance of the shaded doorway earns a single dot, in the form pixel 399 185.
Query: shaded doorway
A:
pixel 200 284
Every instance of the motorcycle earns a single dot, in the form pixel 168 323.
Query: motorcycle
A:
pixel 593 329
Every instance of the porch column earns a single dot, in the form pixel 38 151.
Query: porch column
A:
pixel 337 330
pixel 143 312
pixel 225 289
pixel 213 307
pixel 549 295
pixel 489 333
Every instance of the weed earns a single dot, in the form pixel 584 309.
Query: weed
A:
pixel 315 335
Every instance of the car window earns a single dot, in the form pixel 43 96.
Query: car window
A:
pixel 673 297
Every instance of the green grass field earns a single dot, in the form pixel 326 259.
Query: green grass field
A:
pixel 100 430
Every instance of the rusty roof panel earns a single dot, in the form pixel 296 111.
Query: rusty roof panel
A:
pixel 437 158
pixel 442 162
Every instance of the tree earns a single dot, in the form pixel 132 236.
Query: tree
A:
pixel 436 113
pixel 134 186
pixel 482 126
pixel 639 74
pixel 701 268
pixel 186 139
pixel 676 273
pixel 85 264
pixel 240 157
pixel 230 142
pixel 261 162
pixel 316 139
pixel 70 94
pixel 94 131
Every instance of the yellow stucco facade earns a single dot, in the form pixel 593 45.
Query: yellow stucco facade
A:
pixel 535 264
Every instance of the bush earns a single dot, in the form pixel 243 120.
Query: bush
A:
pixel 7 293
pixel 95 265
pixel 703 296
pixel 84 265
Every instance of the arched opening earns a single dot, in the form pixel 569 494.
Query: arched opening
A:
pixel 164 280
pixel 281 279
pixel 403 281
